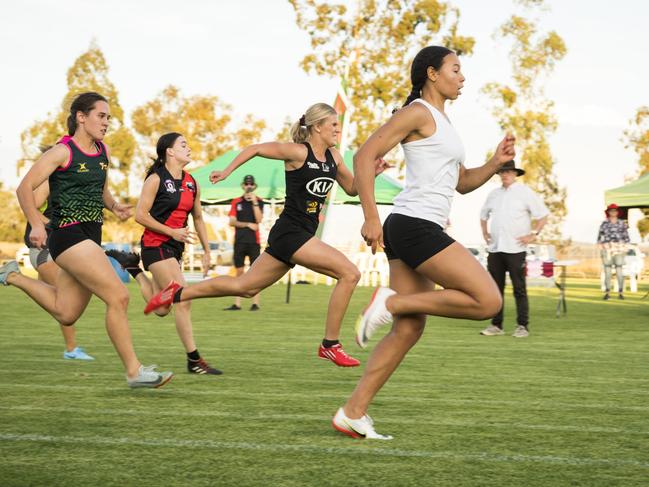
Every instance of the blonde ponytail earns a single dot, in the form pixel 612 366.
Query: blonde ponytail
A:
pixel 301 130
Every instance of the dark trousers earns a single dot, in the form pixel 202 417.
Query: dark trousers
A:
pixel 498 264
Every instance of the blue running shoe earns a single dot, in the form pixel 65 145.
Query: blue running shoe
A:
pixel 77 354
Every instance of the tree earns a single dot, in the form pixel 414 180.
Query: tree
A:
pixel 636 137
pixel 88 73
pixel 372 49
pixel 12 224
pixel 522 108
pixel 204 120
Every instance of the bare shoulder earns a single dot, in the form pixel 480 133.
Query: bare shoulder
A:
pixel 59 153
pixel 338 157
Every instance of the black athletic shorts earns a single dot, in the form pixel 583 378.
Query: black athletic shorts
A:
pixel 61 239
pixel 151 255
pixel 285 238
pixel 243 250
pixel 413 240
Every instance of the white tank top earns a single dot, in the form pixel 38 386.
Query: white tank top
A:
pixel 432 172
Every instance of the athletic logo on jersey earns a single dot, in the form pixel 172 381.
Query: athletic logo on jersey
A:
pixel 171 187
pixel 319 186
pixel 239 207
pixel 325 167
pixel 312 165
pixel 190 187
pixel 312 207
pixel 103 166
pixel 82 167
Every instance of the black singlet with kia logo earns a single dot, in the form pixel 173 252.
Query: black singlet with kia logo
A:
pixel 307 189
pixel 306 192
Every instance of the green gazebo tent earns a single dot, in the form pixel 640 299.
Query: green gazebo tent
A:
pixel 269 175
pixel 632 195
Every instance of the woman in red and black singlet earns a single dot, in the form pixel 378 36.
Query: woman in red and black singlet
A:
pixel 76 168
pixel 312 166
pixel 169 196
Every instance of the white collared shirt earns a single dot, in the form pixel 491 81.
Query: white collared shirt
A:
pixel 511 211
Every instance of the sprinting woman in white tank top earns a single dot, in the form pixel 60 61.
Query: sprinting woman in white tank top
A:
pixel 419 252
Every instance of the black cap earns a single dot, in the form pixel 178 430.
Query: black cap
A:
pixel 249 179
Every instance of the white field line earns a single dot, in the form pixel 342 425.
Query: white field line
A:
pixel 229 394
pixel 142 342
pixel 321 450
pixel 573 386
pixel 253 417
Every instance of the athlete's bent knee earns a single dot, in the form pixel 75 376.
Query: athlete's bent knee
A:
pixel 68 319
pixel 351 275
pixel 119 299
pixel 489 306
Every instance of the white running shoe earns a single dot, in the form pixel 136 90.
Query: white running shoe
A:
pixel 149 377
pixel 357 428
pixel 374 316
pixel 492 330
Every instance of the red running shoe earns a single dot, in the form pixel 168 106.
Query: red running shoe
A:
pixel 163 298
pixel 337 355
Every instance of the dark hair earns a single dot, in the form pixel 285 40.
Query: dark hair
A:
pixel 164 142
pixel 84 103
pixel 429 56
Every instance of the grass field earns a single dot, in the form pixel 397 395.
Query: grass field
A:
pixel 567 406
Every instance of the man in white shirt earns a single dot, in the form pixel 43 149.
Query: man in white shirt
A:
pixel 511 209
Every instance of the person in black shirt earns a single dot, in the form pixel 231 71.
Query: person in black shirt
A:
pixel 245 214
pixel 312 166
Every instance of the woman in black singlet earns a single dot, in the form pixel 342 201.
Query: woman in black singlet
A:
pixel 312 167
pixel 76 168
pixel 47 269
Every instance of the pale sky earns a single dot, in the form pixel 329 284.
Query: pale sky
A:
pixel 248 52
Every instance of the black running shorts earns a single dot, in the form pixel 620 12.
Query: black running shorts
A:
pixel 61 239
pixel 151 255
pixel 243 250
pixel 285 238
pixel 413 240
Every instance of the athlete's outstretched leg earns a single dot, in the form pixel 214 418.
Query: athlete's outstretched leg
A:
pixel 320 257
pixel 96 274
pixel 390 351
pixel 265 271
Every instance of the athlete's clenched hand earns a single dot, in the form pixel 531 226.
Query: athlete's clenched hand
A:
pixel 216 176
pixel 38 236
pixel 372 233
pixel 123 212
pixel 184 235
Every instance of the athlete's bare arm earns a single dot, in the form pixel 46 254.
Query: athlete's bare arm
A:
pixel 473 178
pixel 46 164
pixel 292 154
pixel 409 121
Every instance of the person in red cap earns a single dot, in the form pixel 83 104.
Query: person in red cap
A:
pixel 612 239
pixel 246 213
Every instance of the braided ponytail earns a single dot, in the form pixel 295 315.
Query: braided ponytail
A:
pixel 432 56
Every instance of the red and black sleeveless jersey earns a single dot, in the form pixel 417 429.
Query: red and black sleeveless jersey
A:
pixel 307 189
pixel 172 204
pixel 243 211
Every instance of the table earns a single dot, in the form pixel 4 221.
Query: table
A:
pixel 561 284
